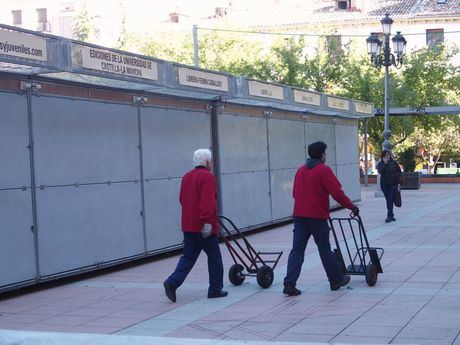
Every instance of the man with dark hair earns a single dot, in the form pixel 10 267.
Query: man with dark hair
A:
pixel 313 184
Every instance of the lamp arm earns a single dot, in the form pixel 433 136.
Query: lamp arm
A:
pixel 397 61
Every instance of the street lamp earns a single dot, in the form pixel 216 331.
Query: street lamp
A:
pixel 387 59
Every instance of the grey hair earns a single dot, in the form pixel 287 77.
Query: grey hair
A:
pixel 201 156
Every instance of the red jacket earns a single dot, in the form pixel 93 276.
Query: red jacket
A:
pixel 313 184
pixel 198 200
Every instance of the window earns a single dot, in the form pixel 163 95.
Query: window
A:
pixel 342 4
pixel 220 12
pixel 434 37
pixel 41 14
pixel 174 17
pixel 42 20
pixel 17 17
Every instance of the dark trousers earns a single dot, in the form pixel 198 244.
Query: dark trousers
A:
pixel 303 229
pixel 193 244
pixel 389 192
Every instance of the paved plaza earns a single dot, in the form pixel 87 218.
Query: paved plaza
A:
pixel 415 301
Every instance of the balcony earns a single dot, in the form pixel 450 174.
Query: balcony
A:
pixel 44 27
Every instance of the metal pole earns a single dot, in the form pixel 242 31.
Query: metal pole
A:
pixel 196 61
pixel 29 85
pixel 387 133
pixel 366 163
pixel 215 148
pixel 138 100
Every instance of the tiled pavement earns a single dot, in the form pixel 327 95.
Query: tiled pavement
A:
pixel 415 301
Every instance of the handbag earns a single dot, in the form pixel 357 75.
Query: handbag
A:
pixel 397 200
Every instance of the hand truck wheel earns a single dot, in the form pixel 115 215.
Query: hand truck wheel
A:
pixel 265 277
pixel 371 274
pixel 235 274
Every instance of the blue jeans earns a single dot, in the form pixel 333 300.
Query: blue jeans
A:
pixel 303 229
pixel 193 244
pixel 389 192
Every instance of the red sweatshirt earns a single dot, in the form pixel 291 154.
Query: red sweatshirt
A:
pixel 312 187
pixel 198 200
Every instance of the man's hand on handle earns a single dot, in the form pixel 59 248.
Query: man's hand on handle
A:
pixel 206 231
pixel 355 211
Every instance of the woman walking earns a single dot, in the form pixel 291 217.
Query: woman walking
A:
pixel 390 173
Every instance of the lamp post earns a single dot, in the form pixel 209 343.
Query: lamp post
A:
pixel 386 58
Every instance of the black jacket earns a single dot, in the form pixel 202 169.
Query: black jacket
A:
pixel 390 172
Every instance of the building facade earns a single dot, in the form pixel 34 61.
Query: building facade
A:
pixel 422 22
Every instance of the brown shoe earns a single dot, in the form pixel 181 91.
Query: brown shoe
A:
pixel 291 290
pixel 218 294
pixel 345 281
pixel 170 291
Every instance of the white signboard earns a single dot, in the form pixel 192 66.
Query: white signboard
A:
pixel 364 108
pixel 113 62
pixel 306 97
pixel 205 80
pixel 259 89
pixel 338 103
pixel 23 45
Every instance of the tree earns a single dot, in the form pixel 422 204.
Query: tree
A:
pixel 427 78
pixel 123 39
pixel 236 54
pixel 83 28
pixel 362 81
pixel 286 59
pixel 433 142
pixel 324 71
pixel 430 78
pixel 172 46
pixel 407 159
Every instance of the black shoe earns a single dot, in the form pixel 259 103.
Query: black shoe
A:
pixel 218 294
pixel 170 291
pixel 291 290
pixel 388 220
pixel 345 281
pixel 392 219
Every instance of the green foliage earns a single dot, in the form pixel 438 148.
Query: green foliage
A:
pixel 235 54
pixel 83 29
pixel 173 46
pixel 436 142
pixel 407 159
pixel 286 58
pixel 123 39
pixel 325 72
pixel 428 78
pixel 217 51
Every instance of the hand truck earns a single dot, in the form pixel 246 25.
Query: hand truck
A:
pixel 366 259
pixel 247 261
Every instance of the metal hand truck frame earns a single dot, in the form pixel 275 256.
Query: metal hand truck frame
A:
pixel 366 260
pixel 247 261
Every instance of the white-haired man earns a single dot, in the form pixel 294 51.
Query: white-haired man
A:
pixel 199 224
